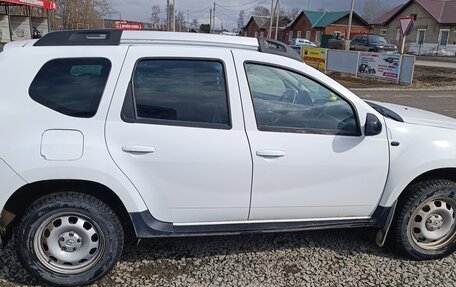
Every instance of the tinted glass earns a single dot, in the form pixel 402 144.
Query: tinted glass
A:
pixel 286 100
pixel 377 39
pixel 73 87
pixel 181 91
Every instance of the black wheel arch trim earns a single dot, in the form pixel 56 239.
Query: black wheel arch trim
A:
pixel 146 226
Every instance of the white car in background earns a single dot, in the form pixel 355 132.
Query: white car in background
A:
pixel 104 132
pixel 302 43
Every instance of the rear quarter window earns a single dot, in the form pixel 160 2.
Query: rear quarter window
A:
pixel 73 87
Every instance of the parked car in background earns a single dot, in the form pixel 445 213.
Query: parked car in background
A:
pixel 372 43
pixel 36 34
pixel 302 43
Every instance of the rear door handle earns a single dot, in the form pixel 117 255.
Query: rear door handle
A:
pixel 270 153
pixel 138 149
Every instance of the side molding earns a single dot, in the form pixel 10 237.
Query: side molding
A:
pixel 146 226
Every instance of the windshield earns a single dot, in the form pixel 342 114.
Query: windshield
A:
pixel 377 39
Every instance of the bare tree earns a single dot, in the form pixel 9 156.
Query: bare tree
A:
pixel 260 11
pixel 155 18
pixel 293 13
pixel 83 13
pixel 195 23
pixel 373 9
pixel 241 19
pixel 180 21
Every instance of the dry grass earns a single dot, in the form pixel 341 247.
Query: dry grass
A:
pixel 424 77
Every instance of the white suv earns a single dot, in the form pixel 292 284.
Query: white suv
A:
pixel 174 134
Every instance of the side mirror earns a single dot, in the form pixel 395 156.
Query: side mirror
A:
pixel 373 125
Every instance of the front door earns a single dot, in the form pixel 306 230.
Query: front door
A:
pixel 175 128
pixel 311 160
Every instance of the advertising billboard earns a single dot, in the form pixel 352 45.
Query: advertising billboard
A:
pixel 43 4
pixel 315 57
pixel 126 25
pixel 384 66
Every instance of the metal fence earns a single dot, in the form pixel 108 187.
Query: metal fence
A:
pixel 407 69
pixel 342 61
pixel 428 49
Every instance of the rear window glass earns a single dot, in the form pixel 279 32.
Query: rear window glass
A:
pixel 181 91
pixel 73 87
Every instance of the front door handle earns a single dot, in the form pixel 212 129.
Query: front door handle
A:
pixel 270 153
pixel 138 149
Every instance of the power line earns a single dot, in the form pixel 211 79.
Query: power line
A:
pixel 245 9
pixel 200 10
pixel 240 5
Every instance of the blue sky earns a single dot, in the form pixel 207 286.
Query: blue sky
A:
pixel 228 10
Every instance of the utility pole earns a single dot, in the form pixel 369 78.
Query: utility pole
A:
pixel 188 21
pixel 174 15
pixel 213 15
pixel 350 19
pixel 277 19
pixel 167 15
pixel 308 5
pixel 210 21
pixel 270 22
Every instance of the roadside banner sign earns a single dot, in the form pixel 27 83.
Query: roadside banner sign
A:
pixel 125 25
pixel 43 4
pixel 384 66
pixel 315 57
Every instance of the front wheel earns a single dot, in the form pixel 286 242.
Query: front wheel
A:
pixel 69 239
pixel 425 224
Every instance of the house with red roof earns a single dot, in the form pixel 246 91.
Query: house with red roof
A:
pixel 434 29
pixel 311 25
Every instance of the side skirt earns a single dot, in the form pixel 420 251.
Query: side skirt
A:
pixel 146 226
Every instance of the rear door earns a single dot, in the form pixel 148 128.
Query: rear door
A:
pixel 176 129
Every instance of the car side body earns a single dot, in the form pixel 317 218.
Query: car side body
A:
pixel 247 166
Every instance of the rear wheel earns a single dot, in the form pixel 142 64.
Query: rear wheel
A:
pixel 69 239
pixel 425 224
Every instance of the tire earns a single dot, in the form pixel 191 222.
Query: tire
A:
pixel 69 239
pixel 424 227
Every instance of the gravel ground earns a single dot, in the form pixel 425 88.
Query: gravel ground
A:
pixel 318 258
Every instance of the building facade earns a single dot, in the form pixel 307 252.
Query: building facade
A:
pixel 258 26
pixel 311 25
pixel 23 20
pixel 434 28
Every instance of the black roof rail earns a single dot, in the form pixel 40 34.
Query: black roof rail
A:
pixel 277 48
pixel 95 37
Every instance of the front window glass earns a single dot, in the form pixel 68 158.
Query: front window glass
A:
pixel 287 100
